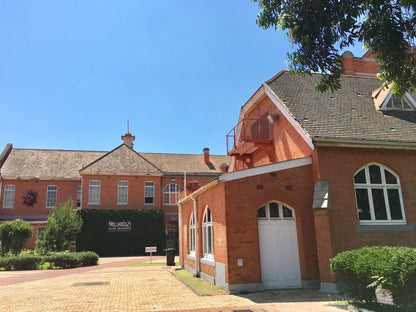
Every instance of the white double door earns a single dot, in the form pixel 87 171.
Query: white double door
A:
pixel 279 254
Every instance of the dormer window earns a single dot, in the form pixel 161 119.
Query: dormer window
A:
pixel 405 103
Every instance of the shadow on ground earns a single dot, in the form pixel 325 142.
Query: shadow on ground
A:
pixel 291 295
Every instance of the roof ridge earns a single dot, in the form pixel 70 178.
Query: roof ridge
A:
pixel 57 150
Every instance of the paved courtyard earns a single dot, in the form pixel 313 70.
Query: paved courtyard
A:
pixel 112 286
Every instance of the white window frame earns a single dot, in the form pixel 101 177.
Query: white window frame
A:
pixel 281 207
pixel 123 193
pixel 79 196
pixel 167 192
pixel 8 196
pixel 94 192
pixel 40 232
pixel 51 196
pixel 192 235
pixel 384 186
pixel 407 97
pixel 207 235
pixel 149 189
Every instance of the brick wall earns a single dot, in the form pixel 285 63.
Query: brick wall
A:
pixel 338 165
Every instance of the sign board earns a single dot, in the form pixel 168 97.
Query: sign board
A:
pixel 151 249
pixel 115 226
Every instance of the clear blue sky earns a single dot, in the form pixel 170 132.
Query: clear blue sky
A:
pixel 73 72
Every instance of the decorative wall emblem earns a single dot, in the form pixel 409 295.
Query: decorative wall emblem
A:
pixel 30 198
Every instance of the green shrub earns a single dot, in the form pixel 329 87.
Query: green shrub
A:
pixel 31 260
pixel 369 269
pixel 13 235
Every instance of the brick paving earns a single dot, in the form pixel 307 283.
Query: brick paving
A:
pixel 111 286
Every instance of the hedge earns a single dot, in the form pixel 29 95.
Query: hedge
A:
pixel 369 269
pixel 64 260
pixel 147 229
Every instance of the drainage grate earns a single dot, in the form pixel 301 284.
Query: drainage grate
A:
pixel 90 284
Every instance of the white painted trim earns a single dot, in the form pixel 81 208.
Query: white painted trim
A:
pixel 283 165
pixel 364 144
pixel 276 101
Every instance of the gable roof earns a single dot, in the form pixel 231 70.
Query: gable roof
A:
pixel 122 161
pixel 66 164
pixel 346 114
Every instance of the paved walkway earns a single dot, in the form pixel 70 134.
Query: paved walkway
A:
pixel 112 286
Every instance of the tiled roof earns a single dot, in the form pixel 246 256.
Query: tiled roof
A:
pixel 46 164
pixel 190 163
pixel 346 114
pixel 122 160
pixel 66 164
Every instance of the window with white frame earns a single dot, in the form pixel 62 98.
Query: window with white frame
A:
pixel 51 194
pixel 123 191
pixel 170 194
pixel 275 211
pixel 8 196
pixel 40 234
pixel 79 196
pixel 207 235
pixel 149 193
pixel 94 193
pixel 192 234
pixel 378 196
pixel 405 103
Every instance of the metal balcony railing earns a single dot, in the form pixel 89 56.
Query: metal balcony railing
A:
pixel 249 130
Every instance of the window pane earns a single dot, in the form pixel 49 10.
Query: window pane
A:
pixel 149 191
pixel 8 201
pixel 261 212
pixel 379 204
pixel 79 196
pixel 360 177
pixel 274 210
pixel 394 202
pixel 390 179
pixel 51 196
pixel 209 245
pixel 362 204
pixel 375 175
pixel 287 213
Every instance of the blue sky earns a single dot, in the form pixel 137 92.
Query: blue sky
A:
pixel 73 72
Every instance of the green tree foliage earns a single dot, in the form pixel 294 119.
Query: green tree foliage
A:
pixel 13 235
pixel 63 224
pixel 319 29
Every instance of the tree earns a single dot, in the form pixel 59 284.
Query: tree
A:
pixel 13 235
pixel 63 224
pixel 319 29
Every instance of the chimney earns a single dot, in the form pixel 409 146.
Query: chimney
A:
pixel 206 155
pixel 364 66
pixel 224 168
pixel 128 139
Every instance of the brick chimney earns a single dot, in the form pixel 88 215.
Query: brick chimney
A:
pixel 206 155
pixel 364 66
pixel 128 139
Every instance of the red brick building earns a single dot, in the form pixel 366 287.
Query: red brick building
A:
pixel 119 179
pixel 312 174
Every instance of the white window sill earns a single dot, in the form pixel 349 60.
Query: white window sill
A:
pixel 209 261
pixel 7 207
pixel 50 207
pixel 191 256
pixel 147 204
pixel 93 204
pixel 123 204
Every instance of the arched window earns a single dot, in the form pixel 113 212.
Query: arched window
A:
pixel 170 194
pixel 192 234
pixel 208 235
pixel 378 195
pixel 275 211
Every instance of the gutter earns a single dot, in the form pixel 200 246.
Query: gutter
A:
pixel 198 191
pixel 364 144
pixel 197 273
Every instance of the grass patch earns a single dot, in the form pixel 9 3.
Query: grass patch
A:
pixel 201 286
pixel 146 263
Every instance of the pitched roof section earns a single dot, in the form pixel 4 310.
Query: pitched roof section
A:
pixel 190 163
pixel 346 114
pixel 61 164
pixel 46 164
pixel 122 161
